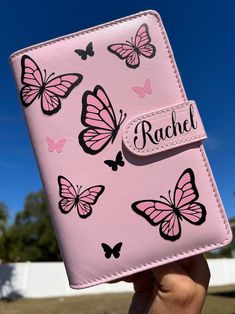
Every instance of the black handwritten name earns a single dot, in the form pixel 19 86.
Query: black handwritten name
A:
pixel 143 130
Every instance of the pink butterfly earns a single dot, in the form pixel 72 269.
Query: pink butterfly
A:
pixel 55 146
pixel 169 214
pixel 141 91
pixel 82 201
pixel 48 90
pixel 98 115
pixel 132 51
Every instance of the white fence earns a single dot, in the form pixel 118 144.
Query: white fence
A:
pixel 38 280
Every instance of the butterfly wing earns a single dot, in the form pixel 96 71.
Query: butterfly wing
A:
pixel 195 213
pixel 148 51
pixel 153 211
pixel 116 249
pixel 28 94
pixel 139 91
pixel 107 250
pixel 60 145
pixel 89 49
pixel 51 144
pixel 94 141
pixel 103 97
pixel 31 77
pixel 142 42
pixel 185 191
pixel 50 103
pixel 84 209
pixel 91 195
pixel 98 115
pixel 148 87
pixel 126 51
pixel 58 87
pixel 68 195
pixel 133 60
pixel 122 51
pixel 157 212
pixel 119 159
pixel 62 85
pixel 170 228
pixel 87 198
pixel 82 53
pixel 112 164
pixel 185 195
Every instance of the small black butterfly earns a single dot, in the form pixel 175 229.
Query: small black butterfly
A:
pixel 85 53
pixel 115 163
pixel 115 251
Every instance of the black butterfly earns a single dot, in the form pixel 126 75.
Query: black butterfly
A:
pixel 115 251
pixel 115 163
pixel 85 53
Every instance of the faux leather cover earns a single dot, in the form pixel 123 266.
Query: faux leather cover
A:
pixel 116 213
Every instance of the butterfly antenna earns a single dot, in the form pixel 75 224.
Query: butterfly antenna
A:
pixel 53 73
pixel 169 193
pixel 45 75
pixel 79 189
pixel 165 199
pixel 127 41
pixel 122 117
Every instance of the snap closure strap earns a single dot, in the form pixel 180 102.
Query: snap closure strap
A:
pixel 164 129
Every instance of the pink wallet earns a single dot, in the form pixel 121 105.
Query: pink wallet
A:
pixel 119 149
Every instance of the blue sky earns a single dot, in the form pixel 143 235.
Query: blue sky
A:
pixel 202 36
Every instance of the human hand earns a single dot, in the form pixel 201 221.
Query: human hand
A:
pixel 179 288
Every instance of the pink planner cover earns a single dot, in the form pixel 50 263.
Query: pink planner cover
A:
pixel 119 149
